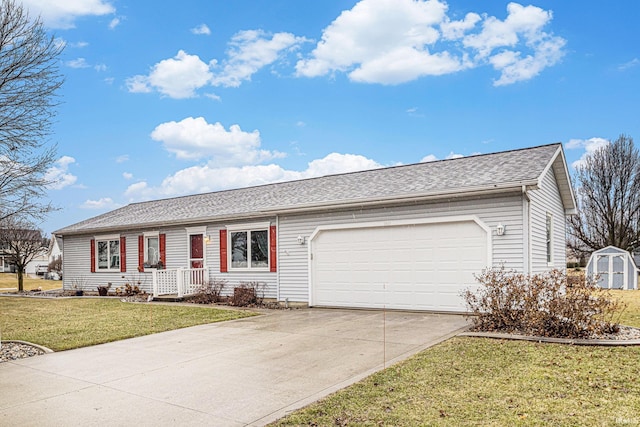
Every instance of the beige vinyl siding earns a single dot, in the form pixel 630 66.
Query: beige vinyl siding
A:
pixel 545 200
pixel 507 249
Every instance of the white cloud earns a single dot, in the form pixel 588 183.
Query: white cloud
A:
pixel 213 96
pixel 397 41
pixel 77 63
pixel 521 30
pixel 182 75
pixel 100 67
pixel 177 77
pixel 201 29
pixel 59 176
pixel 194 139
pixel 122 158
pixel 454 30
pixel 103 203
pixel 250 51
pixel 433 157
pixel 588 145
pixel 114 23
pixel 127 175
pixel 63 13
pixel 199 179
pixel 631 64
pixel 429 158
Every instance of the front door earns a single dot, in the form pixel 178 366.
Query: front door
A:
pixel 196 254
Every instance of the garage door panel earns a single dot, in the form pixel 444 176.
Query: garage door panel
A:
pixel 419 267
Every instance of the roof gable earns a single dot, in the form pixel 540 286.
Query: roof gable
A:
pixel 473 174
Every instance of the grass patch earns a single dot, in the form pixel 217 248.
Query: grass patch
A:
pixel 10 280
pixel 63 324
pixel 472 381
pixel 483 382
pixel 631 316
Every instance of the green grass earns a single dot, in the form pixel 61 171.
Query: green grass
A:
pixel 10 280
pixel 63 324
pixel 483 382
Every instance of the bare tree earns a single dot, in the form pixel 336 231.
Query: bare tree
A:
pixel 608 199
pixel 29 79
pixel 22 242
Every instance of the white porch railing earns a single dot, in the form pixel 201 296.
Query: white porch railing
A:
pixel 178 281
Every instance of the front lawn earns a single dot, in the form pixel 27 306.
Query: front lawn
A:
pixel 10 280
pixel 63 324
pixel 475 381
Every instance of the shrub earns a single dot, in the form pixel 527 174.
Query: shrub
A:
pixel 209 292
pixel 251 293
pixel 549 304
pixel 128 290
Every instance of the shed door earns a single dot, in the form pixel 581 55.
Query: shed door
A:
pixel 412 267
pixel 612 272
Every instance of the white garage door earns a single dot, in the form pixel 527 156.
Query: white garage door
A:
pixel 410 267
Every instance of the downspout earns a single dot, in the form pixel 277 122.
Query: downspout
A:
pixel 526 231
pixel 278 258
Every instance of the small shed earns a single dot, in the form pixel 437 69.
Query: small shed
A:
pixel 615 267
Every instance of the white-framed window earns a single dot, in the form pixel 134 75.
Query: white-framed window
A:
pixel 107 253
pixel 549 230
pixel 249 246
pixel 151 249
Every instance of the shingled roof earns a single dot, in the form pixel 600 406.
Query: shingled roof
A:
pixel 479 173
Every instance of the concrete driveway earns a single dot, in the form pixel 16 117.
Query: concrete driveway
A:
pixel 245 372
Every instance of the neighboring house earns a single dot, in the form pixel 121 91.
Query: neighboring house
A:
pixel 7 264
pixel 40 260
pixel 615 268
pixel 55 248
pixel 404 237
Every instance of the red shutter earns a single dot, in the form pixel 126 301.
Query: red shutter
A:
pixel 93 255
pixel 123 254
pixel 163 247
pixel 140 253
pixel 272 248
pixel 223 251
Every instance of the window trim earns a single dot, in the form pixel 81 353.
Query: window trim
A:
pixel 248 228
pixel 145 239
pixel 107 238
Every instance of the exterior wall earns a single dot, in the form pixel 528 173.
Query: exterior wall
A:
pixel 77 260
pixel 293 268
pixel 234 278
pixel 545 200
pixel 508 250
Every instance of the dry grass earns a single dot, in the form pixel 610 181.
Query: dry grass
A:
pixel 63 324
pixel 10 280
pixel 482 382
pixel 631 316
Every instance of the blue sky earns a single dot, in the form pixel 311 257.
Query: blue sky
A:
pixel 197 95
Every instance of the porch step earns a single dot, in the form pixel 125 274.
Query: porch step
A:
pixel 168 298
